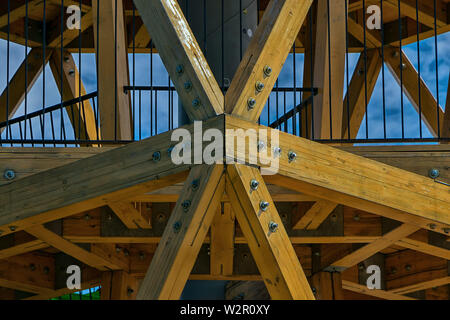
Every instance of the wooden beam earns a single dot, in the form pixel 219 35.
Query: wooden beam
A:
pixel 370 249
pixel 72 249
pixel 81 115
pixel 17 11
pixel 115 175
pixel 22 248
pixel 329 69
pixel 424 247
pixel 131 216
pixel 425 10
pixel 30 272
pixel 111 46
pixel 182 239
pixel 338 176
pixel 68 35
pixel 222 241
pixel 314 217
pixel 429 108
pixel 118 285
pixel 327 285
pixel 184 60
pixel 383 294
pixel 446 125
pixel 273 252
pixel 29 70
pixel 422 286
pixel 269 47
pixel 355 99
pixel 357 31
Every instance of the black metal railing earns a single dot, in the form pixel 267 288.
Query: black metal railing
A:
pixel 293 106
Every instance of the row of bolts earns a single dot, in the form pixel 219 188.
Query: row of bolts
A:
pixel 251 102
pixel 254 184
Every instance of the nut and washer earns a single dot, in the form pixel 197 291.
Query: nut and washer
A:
pixel 180 69
pixel 264 205
pixel 156 156
pixel 267 71
pixel 259 86
pixel 186 205
pixel 195 184
pixel 433 173
pixel 251 102
pixel 292 156
pixel 273 226
pixel 177 226
pixel 254 184
pixel 188 86
pixel 196 103
pixel 9 174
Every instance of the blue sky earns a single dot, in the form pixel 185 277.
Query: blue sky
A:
pixel 160 77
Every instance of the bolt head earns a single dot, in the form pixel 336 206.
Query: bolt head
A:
pixel 13 228
pixel 71 72
pixel 32 267
pixel 433 173
pixel 186 204
pixel 267 71
pixel 156 156
pixel 87 217
pixel 446 230
pixel 251 102
pixel 273 226
pixel 196 103
pixel 46 270
pixel 126 252
pixel 188 86
pixel 254 184
pixel 9 174
pixel 356 217
pixel 177 226
pixel 292 156
pixel 259 86
pixel 403 66
pixel 408 267
pixel 180 69
pixel 195 184
pixel 432 226
pixel 264 205
pixel 118 249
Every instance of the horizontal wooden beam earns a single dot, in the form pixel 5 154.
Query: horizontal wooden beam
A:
pixel 114 175
pixel 341 177
pixel 422 286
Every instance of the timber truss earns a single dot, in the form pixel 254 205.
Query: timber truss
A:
pixel 115 178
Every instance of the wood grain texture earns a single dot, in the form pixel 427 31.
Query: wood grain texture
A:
pixel 273 252
pixel 270 46
pixel 177 46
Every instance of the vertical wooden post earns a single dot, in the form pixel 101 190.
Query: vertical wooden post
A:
pixel 327 285
pixel 222 241
pixel 111 47
pixel 118 285
pixel 329 66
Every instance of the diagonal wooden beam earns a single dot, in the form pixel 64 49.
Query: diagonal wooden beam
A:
pixel 422 286
pixel 405 73
pixel 356 30
pixel 345 178
pixel 446 125
pixel 271 248
pixel 370 249
pixel 329 69
pixel 18 10
pixel 81 115
pixel 425 10
pixel 424 247
pixel 131 216
pixel 182 239
pixel 68 35
pixel 114 175
pixel 14 94
pixel 317 214
pixel 111 46
pixel 72 249
pixel 184 60
pixel 269 47
pixel 383 294
pixel 355 99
